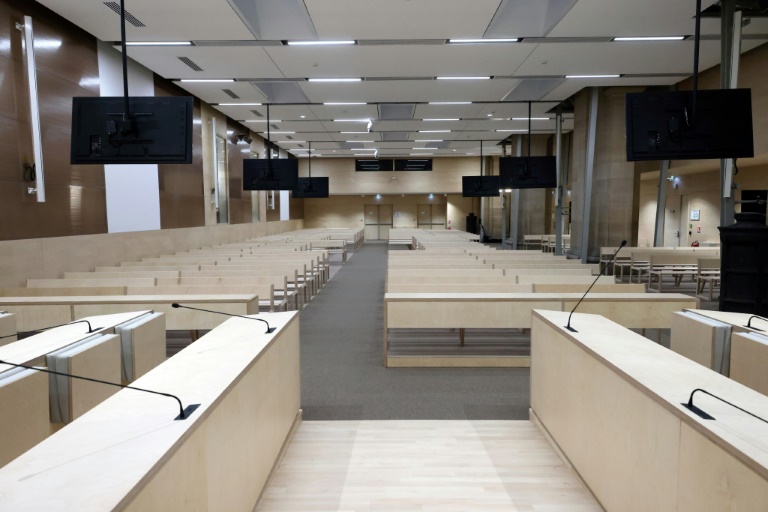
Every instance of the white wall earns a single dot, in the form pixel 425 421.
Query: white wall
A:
pixel 133 191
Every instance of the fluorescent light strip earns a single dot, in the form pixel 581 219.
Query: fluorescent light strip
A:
pixel 511 130
pixel 592 76
pixel 650 38
pixel 463 78
pixel 239 104
pixel 334 79
pixel 337 103
pixel 424 149
pixel 450 102
pixel 532 119
pixel 159 43
pixel 208 80
pixel 361 141
pixel 365 149
pixel 320 43
pixel 263 121
pixel 345 133
pixel 441 119
pixel 434 131
pixel 489 40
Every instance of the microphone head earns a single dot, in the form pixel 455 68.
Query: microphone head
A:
pixel 623 243
pixel 175 305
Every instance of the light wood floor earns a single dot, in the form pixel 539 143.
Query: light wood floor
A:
pixel 423 466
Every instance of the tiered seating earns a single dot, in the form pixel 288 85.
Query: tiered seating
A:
pixel 452 284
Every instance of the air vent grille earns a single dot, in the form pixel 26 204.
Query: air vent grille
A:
pixel 274 126
pixel 231 94
pixel 289 137
pixel 190 63
pixel 130 18
pixel 257 113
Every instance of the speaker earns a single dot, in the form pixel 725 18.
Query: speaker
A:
pixel 744 265
pixel 472 223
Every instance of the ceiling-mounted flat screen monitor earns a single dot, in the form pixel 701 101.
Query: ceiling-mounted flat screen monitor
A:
pixel 374 164
pixel 528 172
pixel 661 125
pixel 480 186
pixel 271 174
pixel 158 130
pixel 414 164
pixel 311 188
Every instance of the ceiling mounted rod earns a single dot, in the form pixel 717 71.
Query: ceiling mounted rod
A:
pixel 309 153
pixel 696 41
pixel 269 141
pixel 529 129
pixel 481 158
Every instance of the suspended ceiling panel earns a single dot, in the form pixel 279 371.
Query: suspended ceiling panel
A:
pixel 165 20
pixel 628 18
pixel 399 60
pixel 344 111
pixel 618 58
pixel 214 92
pixel 410 90
pixel 401 19
pixel 216 62
pixel 426 111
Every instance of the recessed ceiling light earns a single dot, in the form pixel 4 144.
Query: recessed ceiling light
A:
pixel 351 121
pixel 359 141
pixel 532 119
pixel 650 38
pixel 159 43
pixel 441 119
pixel 511 130
pixel 366 149
pixel 592 76
pixel 239 104
pixel 463 78
pixel 490 115
pixel 352 132
pixel 489 40
pixel 303 117
pixel 262 121
pixel 208 80
pixel 339 103
pixel 450 102
pixel 334 79
pixel 434 131
pixel 320 43
pixel 230 132
pixel 424 149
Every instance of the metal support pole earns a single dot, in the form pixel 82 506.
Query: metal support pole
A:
pixel 559 189
pixel 730 47
pixel 661 205
pixel 515 206
pixel 589 171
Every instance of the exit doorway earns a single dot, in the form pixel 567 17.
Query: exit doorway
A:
pixel 378 221
pixel 431 216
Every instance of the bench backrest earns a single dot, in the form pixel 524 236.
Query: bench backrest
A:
pixel 92 280
pixel 62 291
pixel 582 288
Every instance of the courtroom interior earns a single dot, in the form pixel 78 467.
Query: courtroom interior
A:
pixel 366 255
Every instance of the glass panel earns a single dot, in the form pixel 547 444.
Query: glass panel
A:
pixel 222 181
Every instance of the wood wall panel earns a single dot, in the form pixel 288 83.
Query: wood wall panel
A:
pixel 75 202
pixel 240 206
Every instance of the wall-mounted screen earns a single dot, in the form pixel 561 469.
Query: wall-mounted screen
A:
pixel 311 188
pixel 528 172
pixel 271 174
pixel 480 186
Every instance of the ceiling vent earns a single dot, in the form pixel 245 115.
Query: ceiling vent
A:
pixel 130 18
pixel 257 113
pixel 231 94
pixel 394 136
pixel 281 91
pixel 274 126
pixel 189 62
pixel 396 110
pixel 289 137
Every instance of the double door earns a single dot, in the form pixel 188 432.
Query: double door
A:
pixel 431 216
pixel 378 221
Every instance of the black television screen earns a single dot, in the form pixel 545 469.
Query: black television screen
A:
pixel 480 186
pixel 660 125
pixel 374 164
pixel 414 164
pixel 271 174
pixel 528 172
pixel 311 188
pixel 157 131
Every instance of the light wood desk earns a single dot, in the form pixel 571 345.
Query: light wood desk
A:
pixel 749 361
pixel 37 312
pixel 611 401
pixel 128 453
pixel 7 327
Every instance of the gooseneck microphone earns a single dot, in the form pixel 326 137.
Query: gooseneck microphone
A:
pixel 90 329
pixel 269 329
pixel 183 412
pixel 623 243
pixel 706 416
pixel 749 322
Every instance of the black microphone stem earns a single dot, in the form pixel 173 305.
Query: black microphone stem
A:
pixel 269 329
pixel 90 329
pixel 181 407
pixel 690 403
pixel 623 243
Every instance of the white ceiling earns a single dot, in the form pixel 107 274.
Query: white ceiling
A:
pixel 401 49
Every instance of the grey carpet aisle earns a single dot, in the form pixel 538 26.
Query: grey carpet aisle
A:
pixel 342 376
